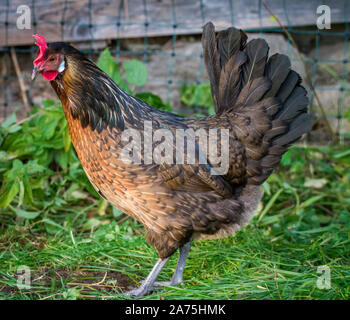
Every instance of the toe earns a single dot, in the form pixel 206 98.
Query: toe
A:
pixel 162 284
pixel 136 293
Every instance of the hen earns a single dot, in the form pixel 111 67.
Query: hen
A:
pixel 127 147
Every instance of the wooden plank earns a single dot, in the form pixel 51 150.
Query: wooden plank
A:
pixel 185 17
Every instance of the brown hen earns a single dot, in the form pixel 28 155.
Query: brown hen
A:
pixel 261 108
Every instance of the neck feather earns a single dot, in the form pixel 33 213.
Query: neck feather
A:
pixel 93 97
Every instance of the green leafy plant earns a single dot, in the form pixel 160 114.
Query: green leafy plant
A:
pixel 107 63
pixel 153 100
pixel 135 72
pixel 38 164
pixel 132 73
pixel 198 95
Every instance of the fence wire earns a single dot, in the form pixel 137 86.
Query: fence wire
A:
pixel 8 78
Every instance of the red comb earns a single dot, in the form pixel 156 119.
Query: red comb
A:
pixel 41 43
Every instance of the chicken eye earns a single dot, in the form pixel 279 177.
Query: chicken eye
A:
pixel 52 59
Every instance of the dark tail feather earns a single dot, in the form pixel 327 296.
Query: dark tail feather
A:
pixel 277 70
pixel 229 42
pixel 229 84
pixel 295 104
pixel 280 137
pixel 298 127
pixel 256 51
pixel 212 60
pixel 293 79
pixel 223 57
pixel 253 91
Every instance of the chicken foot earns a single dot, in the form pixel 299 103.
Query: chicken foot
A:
pixel 147 285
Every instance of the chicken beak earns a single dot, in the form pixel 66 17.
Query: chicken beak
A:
pixel 35 72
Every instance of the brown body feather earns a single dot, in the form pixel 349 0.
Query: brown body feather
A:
pixel 175 202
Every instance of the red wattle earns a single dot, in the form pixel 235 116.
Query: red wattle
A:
pixel 49 75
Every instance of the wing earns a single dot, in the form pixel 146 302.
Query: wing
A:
pixel 191 173
pixel 187 177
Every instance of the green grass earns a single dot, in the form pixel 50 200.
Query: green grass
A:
pixel 301 225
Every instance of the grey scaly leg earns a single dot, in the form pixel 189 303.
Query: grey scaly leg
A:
pixel 178 274
pixel 177 277
pixel 180 267
pixel 147 285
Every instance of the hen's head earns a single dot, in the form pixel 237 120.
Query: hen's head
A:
pixel 50 60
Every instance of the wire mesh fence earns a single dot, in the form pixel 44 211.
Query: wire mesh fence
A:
pixel 165 34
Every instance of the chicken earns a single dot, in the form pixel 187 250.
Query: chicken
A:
pixel 261 109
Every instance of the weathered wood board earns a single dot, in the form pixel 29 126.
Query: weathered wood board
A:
pixel 110 19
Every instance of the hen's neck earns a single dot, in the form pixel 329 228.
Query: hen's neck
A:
pixel 93 98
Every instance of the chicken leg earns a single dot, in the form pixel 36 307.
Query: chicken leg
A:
pixel 147 285
pixel 177 277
